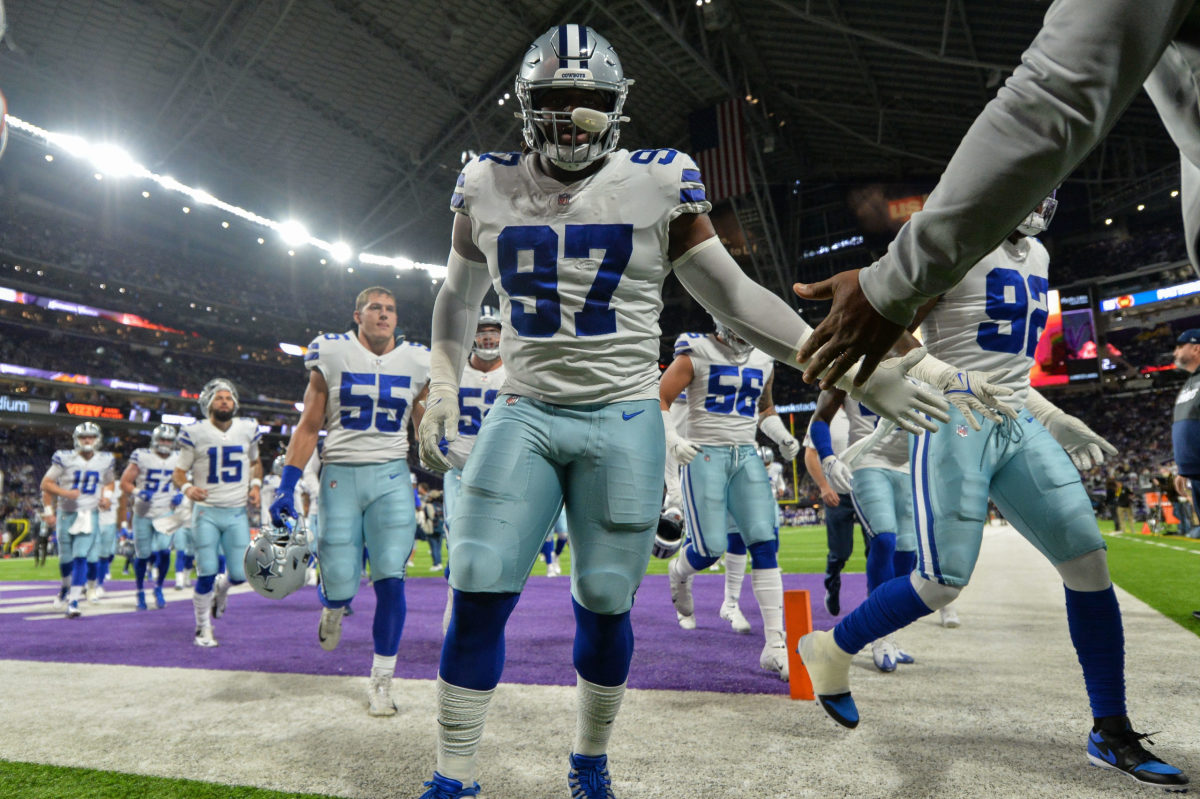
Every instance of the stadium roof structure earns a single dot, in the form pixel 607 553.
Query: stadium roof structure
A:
pixel 353 115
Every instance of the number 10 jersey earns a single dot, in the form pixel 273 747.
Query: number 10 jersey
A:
pixel 579 268
pixel 370 397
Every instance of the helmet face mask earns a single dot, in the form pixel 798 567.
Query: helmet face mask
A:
pixel 89 431
pixel 276 561
pixel 571 57
pixel 162 439
pixel 487 335
pixel 1039 218
pixel 737 345
pixel 278 464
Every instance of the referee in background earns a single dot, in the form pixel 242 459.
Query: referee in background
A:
pixel 1185 431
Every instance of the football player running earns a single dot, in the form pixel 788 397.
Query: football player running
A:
pixel 728 384
pixel 221 453
pixel 1028 461
pixel 362 386
pixel 577 238
pixel 71 499
pixel 148 480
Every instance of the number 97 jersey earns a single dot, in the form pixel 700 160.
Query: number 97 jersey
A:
pixel 992 320
pixel 370 397
pixel 579 268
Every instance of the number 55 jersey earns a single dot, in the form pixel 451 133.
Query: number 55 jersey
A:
pixel 579 268
pixel 220 460
pixel 370 397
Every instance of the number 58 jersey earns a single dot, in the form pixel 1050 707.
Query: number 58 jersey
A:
pixel 370 397
pixel 992 320
pixel 579 267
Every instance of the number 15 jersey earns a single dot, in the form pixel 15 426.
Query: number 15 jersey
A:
pixel 579 268
pixel 992 320
pixel 370 397
pixel 220 460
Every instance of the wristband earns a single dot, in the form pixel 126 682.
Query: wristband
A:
pixel 183 489
pixel 47 510
pixel 821 438
pixel 255 483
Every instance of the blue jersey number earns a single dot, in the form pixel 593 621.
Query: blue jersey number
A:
pixel 646 156
pixel 224 465
pixel 472 414
pixel 732 389
pixel 1008 302
pixel 541 282
pixel 86 482
pixel 360 410
pixel 160 480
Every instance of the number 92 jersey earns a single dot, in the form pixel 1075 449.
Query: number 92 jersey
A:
pixel 723 395
pixel 220 460
pixel 370 397
pixel 579 268
pixel 992 320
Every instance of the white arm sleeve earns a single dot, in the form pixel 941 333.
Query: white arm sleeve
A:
pixel 1081 71
pixel 455 314
pixel 710 274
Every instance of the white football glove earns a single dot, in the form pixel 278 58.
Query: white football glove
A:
pixel 971 392
pixel 772 427
pixel 1082 443
pixel 440 421
pixel 679 448
pixel 890 395
pixel 837 473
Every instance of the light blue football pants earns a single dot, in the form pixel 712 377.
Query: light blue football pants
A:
pixel 371 505
pixel 218 531
pixel 78 545
pixel 1024 470
pixel 725 482
pixel 182 538
pixel 605 462
pixel 147 540
pixel 883 499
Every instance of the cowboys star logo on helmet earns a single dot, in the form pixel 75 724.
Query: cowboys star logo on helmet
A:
pixel 275 562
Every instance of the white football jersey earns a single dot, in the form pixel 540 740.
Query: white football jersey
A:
pixel 477 392
pixel 108 518
pixel 890 453
pixel 154 474
pixel 370 397
pixel 723 395
pixel 992 320
pixel 312 478
pixel 579 268
pixel 220 460
pixel 71 470
pixel 775 475
pixel 839 432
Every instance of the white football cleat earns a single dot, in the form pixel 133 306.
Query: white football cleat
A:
pixel 204 637
pixel 681 596
pixel 733 614
pixel 950 617
pixel 329 631
pixel 92 596
pixel 73 611
pixel 884 655
pixel 902 657
pixel 100 592
pixel 774 658
pixel 553 569
pixel 59 603
pixel 220 596
pixel 379 695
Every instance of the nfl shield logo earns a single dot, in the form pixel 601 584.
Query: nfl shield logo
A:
pixel 333 483
pixel 512 399
pixel 564 200
pixel 962 430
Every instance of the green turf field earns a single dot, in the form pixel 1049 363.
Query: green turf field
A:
pixel 36 781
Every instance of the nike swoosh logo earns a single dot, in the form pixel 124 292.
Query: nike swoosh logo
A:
pixel 394 476
pixel 628 416
pixel 1106 753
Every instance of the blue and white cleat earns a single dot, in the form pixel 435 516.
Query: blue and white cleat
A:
pixel 588 778
pixel 445 788
pixel 829 670
pixel 884 654
pixel 141 600
pixel 902 657
pixel 160 601
pixel 1120 749
pixel 73 611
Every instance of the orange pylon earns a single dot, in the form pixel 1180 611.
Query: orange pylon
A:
pixel 797 620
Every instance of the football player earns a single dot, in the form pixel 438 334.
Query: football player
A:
pixel 722 476
pixel 221 452
pixel 71 499
pixel 270 490
pixel 1028 461
pixel 577 237
pixel 839 510
pixel 879 488
pixel 106 546
pixel 147 481
pixel 362 386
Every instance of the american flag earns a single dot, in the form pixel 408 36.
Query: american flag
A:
pixel 719 151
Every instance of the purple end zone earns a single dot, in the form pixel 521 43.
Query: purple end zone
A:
pixel 259 634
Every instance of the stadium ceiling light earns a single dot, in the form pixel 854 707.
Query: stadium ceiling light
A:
pixel 187 210
pixel 323 262
pixel 109 159
pixel 1108 221
pixel 97 176
pixel 291 252
pixel 261 240
pixel 224 224
pixel 1174 193
pixel 1141 207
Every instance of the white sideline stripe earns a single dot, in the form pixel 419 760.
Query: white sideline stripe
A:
pixel 1125 537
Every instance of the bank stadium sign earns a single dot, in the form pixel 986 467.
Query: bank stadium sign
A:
pixel 10 404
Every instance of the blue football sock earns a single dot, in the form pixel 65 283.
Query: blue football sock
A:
pixel 65 567
pixel 903 563
pixel 93 567
pixel 473 650
pixel 889 607
pixel 139 572
pixel 1094 619
pixel 734 544
pixel 603 646
pixel 560 545
pixel 204 584
pixel 162 561
pixel 102 570
pixel 762 555
pixel 699 562
pixel 220 564
pixel 390 610
pixel 548 551
pixel 881 560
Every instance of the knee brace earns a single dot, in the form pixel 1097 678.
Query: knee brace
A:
pixel 934 595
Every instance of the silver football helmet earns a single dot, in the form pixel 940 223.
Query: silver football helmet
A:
pixel 1039 218
pixel 162 439
pixel 86 430
pixel 276 561
pixel 571 56
pixel 738 346
pixel 488 317
pixel 210 391
pixel 278 464
pixel 768 454
pixel 669 535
